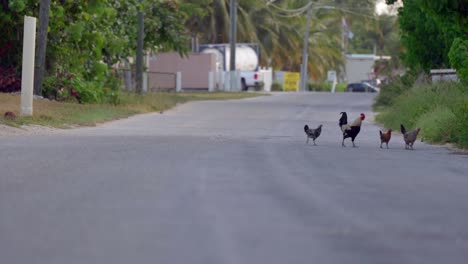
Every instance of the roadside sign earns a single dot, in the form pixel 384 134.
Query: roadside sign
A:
pixel 331 76
pixel 291 81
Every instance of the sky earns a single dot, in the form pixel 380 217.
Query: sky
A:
pixel 382 8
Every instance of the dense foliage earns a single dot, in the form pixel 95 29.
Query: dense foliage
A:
pixel 86 38
pixel 429 30
pixel 440 110
pixel 458 56
pixel 434 34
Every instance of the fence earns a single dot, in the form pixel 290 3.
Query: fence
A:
pixel 152 81
pixel 438 75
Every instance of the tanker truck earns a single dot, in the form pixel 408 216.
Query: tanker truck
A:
pixel 247 61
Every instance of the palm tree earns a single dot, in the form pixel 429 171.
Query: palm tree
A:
pixel 279 34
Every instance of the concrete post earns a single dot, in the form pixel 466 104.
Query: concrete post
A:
pixel 238 81
pixel 27 75
pixel 227 81
pixel 267 78
pixel 220 80
pixel 334 85
pixel 210 81
pixel 145 82
pixel 233 81
pixel 178 82
pixel 145 73
pixel 128 76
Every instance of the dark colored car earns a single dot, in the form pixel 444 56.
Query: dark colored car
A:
pixel 361 88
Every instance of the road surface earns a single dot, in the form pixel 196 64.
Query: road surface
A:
pixel 231 182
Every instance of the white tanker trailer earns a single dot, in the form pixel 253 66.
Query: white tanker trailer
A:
pixel 247 61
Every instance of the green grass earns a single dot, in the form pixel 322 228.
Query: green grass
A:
pixel 66 114
pixel 341 87
pixel 325 86
pixel 440 110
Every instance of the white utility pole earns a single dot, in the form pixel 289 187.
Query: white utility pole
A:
pixel 27 74
pixel 305 56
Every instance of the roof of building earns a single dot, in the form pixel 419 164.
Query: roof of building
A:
pixel 367 56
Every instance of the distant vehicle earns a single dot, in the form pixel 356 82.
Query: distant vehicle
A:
pixel 361 88
pixel 247 61
pixel 373 82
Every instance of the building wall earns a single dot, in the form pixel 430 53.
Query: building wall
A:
pixel 195 69
pixel 358 69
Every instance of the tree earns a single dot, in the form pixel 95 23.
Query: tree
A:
pixel 85 38
pixel 278 33
pixel 41 46
pixel 441 22
pixel 459 58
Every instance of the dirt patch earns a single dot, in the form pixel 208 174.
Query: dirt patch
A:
pixel 6 131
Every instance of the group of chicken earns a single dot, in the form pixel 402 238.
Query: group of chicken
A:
pixel 353 129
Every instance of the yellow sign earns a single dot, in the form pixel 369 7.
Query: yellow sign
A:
pixel 291 81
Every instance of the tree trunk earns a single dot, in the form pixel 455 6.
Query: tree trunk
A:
pixel 41 45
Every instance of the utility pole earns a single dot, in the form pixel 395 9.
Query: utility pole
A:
pixel 305 56
pixel 344 33
pixel 44 12
pixel 139 54
pixel 232 44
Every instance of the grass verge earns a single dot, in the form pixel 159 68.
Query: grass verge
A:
pixel 440 110
pixel 64 115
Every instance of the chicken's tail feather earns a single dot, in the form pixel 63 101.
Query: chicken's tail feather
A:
pixel 306 128
pixel 381 134
pixel 403 129
pixel 343 119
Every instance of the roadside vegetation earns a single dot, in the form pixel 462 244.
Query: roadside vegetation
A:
pixel 326 87
pixel 313 87
pixel 440 110
pixel 68 114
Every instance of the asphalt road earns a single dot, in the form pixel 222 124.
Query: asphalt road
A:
pixel 231 182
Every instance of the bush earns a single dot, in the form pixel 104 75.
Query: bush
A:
pixel 441 110
pixel 437 125
pixel 319 87
pixel 341 87
pixel 68 87
pixel 390 92
pixel 458 56
pixel 10 80
pixel 50 88
pixel 277 87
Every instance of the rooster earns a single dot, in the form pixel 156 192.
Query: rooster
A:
pixel 409 136
pixel 312 133
pixel 385 137
pixel 350 131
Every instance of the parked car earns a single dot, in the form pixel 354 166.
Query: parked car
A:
pixel 361 87
pixel 372 82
